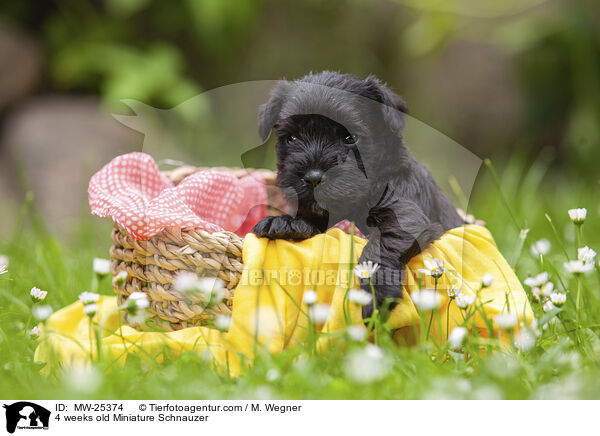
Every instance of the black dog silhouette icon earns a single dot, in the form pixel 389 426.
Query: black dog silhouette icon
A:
pixel 26 415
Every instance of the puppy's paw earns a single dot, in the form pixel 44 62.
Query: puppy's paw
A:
pixel 387 295
pixel 285 227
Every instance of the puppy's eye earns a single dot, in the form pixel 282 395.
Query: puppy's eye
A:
pixel 291 139
pixel 350 140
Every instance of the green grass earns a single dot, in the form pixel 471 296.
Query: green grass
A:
pixel 562 364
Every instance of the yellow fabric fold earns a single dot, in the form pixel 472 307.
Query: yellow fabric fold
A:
pixel 268 307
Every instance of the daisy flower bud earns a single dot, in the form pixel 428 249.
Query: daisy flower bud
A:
pixel 578 215
pixel 35 332
pixel 541 247
pixel 487 280
pixel 558 298
pixel 90 309
pixel 37 295
pixel 457 337
pixel 101 266
pixel 120 278
pixel 223 322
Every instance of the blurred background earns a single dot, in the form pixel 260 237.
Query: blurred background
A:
pixel 512 79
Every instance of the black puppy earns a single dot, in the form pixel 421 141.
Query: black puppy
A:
pixel 340 155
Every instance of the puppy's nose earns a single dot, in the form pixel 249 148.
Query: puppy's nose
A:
pixel 313 177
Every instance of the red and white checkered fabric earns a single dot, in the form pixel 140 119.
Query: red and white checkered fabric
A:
pixel 132 191
pixel 346 226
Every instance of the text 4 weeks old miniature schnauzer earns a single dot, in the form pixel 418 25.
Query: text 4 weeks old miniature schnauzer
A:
pixel 340 155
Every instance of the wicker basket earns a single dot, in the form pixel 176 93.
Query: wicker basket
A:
pixel 152 265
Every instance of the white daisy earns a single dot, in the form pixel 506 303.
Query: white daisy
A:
pixel 463 301
pixel 426 299
pixel 137 318
pixel 213 289
pixel 42 312
pixel 537 281
pixel 434 268
pixel 272 375
pixel 37 295
pixel 101 266
pixel 586 254
pixel 360 297
pixel 223 322
pixel 139 300
pixel 367 365
pixel 558 298
pixel 541 247
pixel 3 260
pixel 310 297
pixel 548 306
pixel 186 281
pixel 120 278
pixel 452 292
pixel 319 313
pixel 137 303
pixel 3 269
pixel 524 340
pixel 577 267
pixel 506 320
pixel 547 289
pixel 357 332
pixel 578 215
pixel 487 280
pixel 457 337
pixel 365 270
pixel 88 297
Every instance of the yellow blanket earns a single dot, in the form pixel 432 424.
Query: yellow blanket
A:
pixel 268 308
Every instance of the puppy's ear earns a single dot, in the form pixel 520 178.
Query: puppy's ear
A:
pixel 268 113
pixel 394 110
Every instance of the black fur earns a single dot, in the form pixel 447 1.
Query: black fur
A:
pixel 376 182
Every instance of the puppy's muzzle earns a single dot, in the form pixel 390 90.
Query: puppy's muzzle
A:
pixel 313 177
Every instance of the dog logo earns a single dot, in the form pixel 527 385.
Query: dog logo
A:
pixel 26 415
